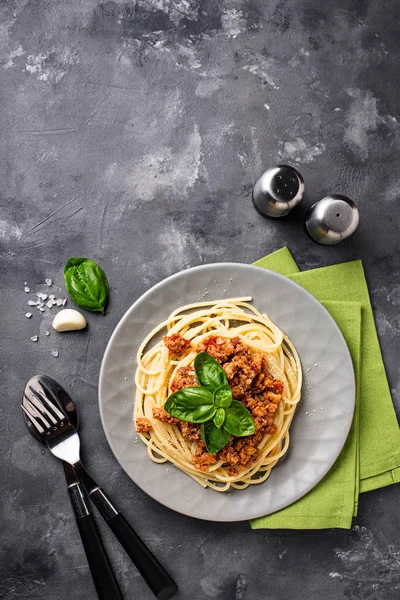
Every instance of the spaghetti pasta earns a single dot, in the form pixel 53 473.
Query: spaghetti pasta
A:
pixel 233 319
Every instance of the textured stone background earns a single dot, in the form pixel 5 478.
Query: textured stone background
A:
pixel 132 132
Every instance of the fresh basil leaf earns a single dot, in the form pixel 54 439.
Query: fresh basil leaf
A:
pixel 192 404
pixel 87 284
pixel 238 420
pixel 215 438
pixel 209 372
pixel 223 396
pixel 219 417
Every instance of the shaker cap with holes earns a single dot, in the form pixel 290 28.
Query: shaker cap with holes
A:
pixel 278 191
pixel 332 219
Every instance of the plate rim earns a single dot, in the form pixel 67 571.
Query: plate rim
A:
pixel 170 278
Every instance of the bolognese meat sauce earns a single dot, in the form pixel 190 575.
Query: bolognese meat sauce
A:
pixel 143 425
pixel 248 375
pixel 176 344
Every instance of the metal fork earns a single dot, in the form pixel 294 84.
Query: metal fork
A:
pixel 62 439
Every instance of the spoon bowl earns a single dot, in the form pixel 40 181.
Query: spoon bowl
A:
pixel 59 396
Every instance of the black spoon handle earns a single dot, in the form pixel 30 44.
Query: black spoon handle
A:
pixel 104 580
pixel 147 564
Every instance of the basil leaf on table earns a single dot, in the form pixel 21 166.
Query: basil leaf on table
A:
pixel 209 373
pixel 87 284
pixel 223 396
pixel 191 404
pixel 219 417
pixel 238 420
pixel 215 438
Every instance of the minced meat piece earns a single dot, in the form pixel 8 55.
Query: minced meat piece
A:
pixel 185 377
pixel 202 459
pixel 190 430
pixel 264 382
pixel 222 349
pixel 161 415
pixel 241 371
pixel 143 425
pixel 176 344
pixel 262 408
pixel 265 425
pixel 219 348
pixel 240 452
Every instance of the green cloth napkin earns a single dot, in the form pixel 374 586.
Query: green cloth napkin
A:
pixel 371 456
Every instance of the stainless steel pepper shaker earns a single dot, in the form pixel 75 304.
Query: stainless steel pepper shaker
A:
pixel 332 219
pixel 278 191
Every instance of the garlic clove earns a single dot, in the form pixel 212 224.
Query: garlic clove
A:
pixel 69 319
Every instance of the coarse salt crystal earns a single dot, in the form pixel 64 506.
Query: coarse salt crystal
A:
pixel 64 301
pixel 47 332
pixel 27 289
pixel 52 297
pixel 41 308
pixel 54 353
pixel 49 303
pixel 34 338
pixel 49 281
pixel 59 302
pixel 28 315
pixel 31 303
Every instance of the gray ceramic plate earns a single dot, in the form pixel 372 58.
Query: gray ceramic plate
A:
pixel 322 420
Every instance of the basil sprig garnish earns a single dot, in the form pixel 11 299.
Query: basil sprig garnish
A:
pixel 192 404
pixel 214 437
pixel 87 284
pixel 211 405
pixel 209 373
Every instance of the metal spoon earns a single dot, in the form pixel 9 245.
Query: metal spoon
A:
pixel 100 567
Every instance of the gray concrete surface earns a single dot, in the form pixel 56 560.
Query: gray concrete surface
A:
pixel 132 132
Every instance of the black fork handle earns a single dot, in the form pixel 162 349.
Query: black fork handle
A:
pixel 156 577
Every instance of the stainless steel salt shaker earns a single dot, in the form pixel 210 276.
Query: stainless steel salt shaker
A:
pixel 332 219
pixel 278 191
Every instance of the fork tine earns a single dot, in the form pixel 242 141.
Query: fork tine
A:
pixel 48 404
pixel 44 398
pixel 32 419
pixel 40 409
pixel 31 407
